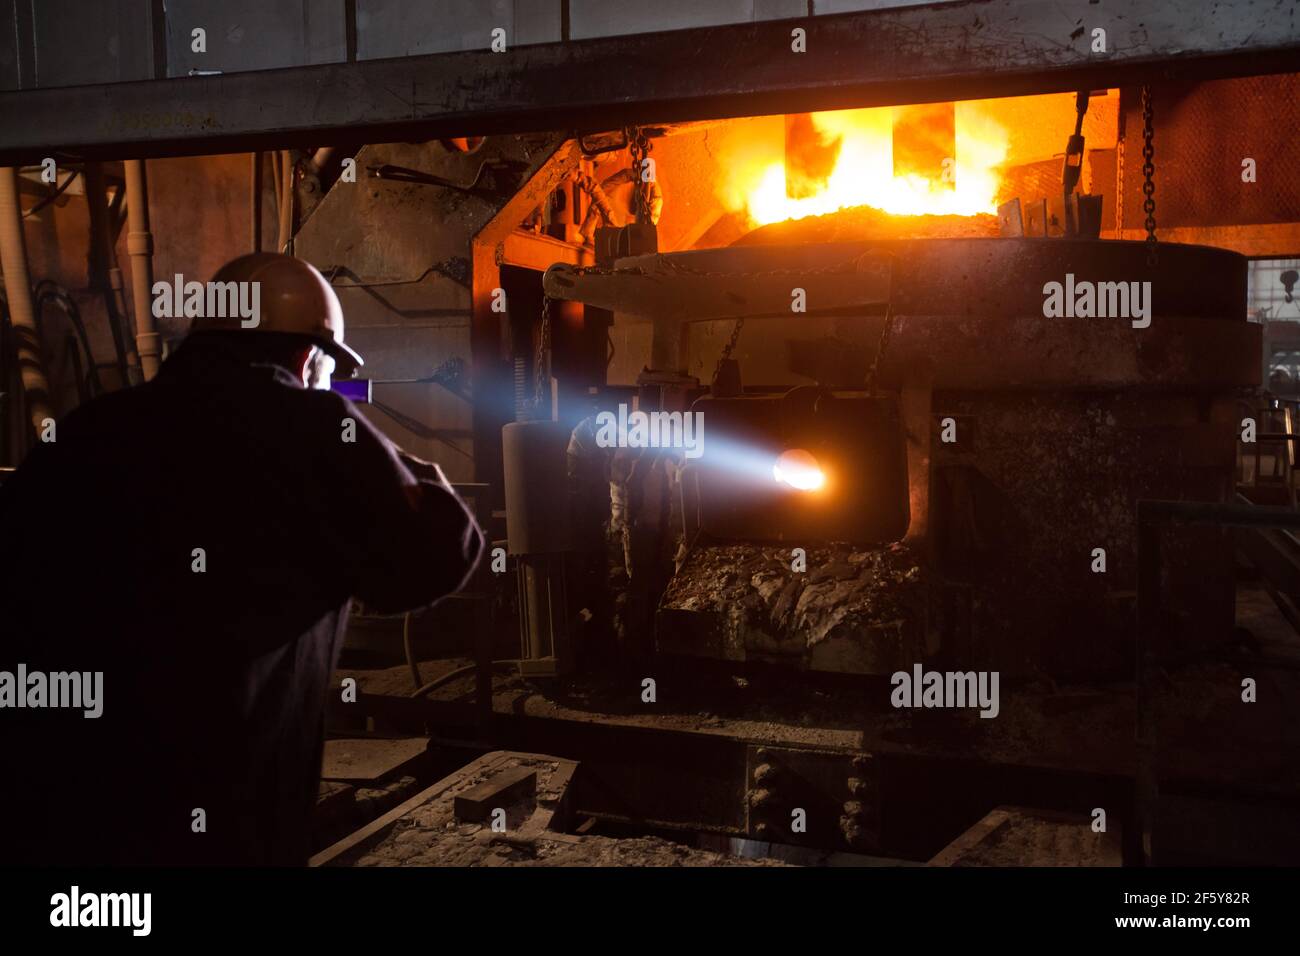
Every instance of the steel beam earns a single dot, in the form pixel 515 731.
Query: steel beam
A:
pixel 532 251
pixel 958 50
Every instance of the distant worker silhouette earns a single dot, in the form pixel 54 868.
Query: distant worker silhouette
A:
pixel 197 540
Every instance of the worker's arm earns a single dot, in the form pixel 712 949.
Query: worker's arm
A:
pixel 414 539
pixel 425 471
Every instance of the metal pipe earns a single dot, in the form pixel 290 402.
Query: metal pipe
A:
pixel 97 255
pixel 286 203
pixel 139 244
pixel 22 315
pixel 320 158
pixel 117 286
pixel 600 206
pixel 99 262
pixel 277 180
pixel 255 206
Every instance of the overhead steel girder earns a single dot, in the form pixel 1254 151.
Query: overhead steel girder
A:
pixel 946 51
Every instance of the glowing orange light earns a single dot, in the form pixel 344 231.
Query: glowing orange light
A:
pixel 863 173
pixel 798 469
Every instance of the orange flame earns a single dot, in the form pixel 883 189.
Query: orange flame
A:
pixel 864 175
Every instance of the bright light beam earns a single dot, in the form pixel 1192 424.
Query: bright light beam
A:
pixel 798 469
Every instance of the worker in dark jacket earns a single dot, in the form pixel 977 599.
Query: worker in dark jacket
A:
pixel 195 542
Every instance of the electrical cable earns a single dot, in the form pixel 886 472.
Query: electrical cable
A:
pixel 417 427
pixel 410 651
pixel 58 191
pixel 74 359
pixel 47 290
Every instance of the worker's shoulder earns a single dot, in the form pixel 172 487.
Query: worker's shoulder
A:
pixel 317 413
pixel 122 406
pixel 322 404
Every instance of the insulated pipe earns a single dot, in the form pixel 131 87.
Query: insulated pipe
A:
pixel 286 202
pixel 139 243
pixel 18 290
pixel 600 206
pixel 320 158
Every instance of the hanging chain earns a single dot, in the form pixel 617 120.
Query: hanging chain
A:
pixel 1148 174
pixel 541 374
pixel 638 148
pixel 1119 186
pixel 728 348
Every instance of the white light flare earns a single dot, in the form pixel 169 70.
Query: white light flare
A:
pixel 798 469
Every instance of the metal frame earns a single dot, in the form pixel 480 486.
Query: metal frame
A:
pixel 1153 517
pixel 978 48
pixel 658 776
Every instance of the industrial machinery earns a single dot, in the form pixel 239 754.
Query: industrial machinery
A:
pixel 1016 470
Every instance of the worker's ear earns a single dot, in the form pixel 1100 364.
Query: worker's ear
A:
pixel 320 369
pixel 302 364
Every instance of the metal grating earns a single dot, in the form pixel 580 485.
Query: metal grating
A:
pixel 1203 132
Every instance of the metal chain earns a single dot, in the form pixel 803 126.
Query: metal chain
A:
pixel 540 371
pixel 727 349
pixel 634 151
pixel 639 148
pixel 1148 174
pixel 1119 186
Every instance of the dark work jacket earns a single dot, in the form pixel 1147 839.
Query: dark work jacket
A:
pixel 198 539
